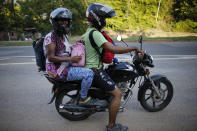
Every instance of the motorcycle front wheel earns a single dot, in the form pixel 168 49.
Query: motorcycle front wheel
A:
pixel 69 97
pixel 153 103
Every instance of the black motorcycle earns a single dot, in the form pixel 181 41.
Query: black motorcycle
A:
pixel 154 94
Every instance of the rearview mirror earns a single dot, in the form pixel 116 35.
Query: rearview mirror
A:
pixel 119 37
pixel 140 39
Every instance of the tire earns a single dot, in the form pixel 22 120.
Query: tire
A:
pixel 66 96
pixel 151 102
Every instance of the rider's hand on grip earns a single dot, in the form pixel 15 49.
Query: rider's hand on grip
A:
pixel 140 52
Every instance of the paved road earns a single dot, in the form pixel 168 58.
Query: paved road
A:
pixel 24 94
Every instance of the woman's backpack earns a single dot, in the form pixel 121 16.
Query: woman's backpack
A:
pixel 39 54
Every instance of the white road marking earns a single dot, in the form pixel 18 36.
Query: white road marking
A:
pixel 120 57
pixel 178 58
pixel 19 57
pixel 162 57
pixel 24 63
pixel 4 59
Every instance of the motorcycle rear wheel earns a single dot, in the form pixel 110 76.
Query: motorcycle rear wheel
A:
pixel 69 96
pixel 149 99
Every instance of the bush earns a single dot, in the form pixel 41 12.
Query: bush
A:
pixel 186 26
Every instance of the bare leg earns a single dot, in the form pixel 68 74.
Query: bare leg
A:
pixel 114 106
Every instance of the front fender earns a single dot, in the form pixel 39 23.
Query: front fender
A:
pixel 147 83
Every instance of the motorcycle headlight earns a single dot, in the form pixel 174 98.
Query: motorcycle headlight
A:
pixel 148 60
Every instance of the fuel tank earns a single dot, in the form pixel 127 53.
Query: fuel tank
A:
pixel 121 72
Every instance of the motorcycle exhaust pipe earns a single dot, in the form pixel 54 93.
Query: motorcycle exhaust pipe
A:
pixel 74 108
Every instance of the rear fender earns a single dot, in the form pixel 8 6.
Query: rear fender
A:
pixel 147 83
pixel 58 88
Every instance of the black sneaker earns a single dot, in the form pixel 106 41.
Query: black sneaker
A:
pixel 118 127
pixel 93 102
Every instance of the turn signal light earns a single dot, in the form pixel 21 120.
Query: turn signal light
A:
pixel 148 73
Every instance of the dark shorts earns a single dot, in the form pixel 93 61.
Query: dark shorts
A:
pixel 103 81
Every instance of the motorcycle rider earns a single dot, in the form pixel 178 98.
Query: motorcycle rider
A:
pixel 57 50
pixel 96 15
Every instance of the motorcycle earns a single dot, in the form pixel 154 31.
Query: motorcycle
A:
pixel 154 94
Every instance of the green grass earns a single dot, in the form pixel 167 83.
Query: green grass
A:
pixel 181 38
pixel 72 40
pixel 16 43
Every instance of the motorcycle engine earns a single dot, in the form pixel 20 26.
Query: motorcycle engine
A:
pixel 122 86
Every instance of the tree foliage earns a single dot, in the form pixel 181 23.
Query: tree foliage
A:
pixel 185 15
pixel 173 15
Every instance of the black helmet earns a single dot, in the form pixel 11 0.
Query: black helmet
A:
pixel 59 14
pixel 97 13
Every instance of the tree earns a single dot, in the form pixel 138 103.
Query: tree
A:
pixel 7 16
pixel 185 9
pixel 36 14
pixel 185 15
pixel 176 15
pixel 78 9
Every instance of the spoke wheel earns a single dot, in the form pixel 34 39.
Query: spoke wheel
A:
pixel 70 97
pixel 149 99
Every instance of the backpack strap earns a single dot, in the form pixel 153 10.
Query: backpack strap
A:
pixel 94 45
pixel 108 38
pixel 92 42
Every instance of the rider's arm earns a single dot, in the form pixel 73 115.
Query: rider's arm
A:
pixel 50 51
pixel 119 49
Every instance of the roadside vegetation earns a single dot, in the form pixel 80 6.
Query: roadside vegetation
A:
pixel 139 15
pixel 167 39
pixel 129 39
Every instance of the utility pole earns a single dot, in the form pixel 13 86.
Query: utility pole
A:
pixel 15 23
pixel 158 10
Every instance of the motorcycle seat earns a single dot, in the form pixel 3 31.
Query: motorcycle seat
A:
pixel 54 81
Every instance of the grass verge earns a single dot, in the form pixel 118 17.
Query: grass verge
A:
pixel 130 39
pixel 180 38
pixel 15 43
